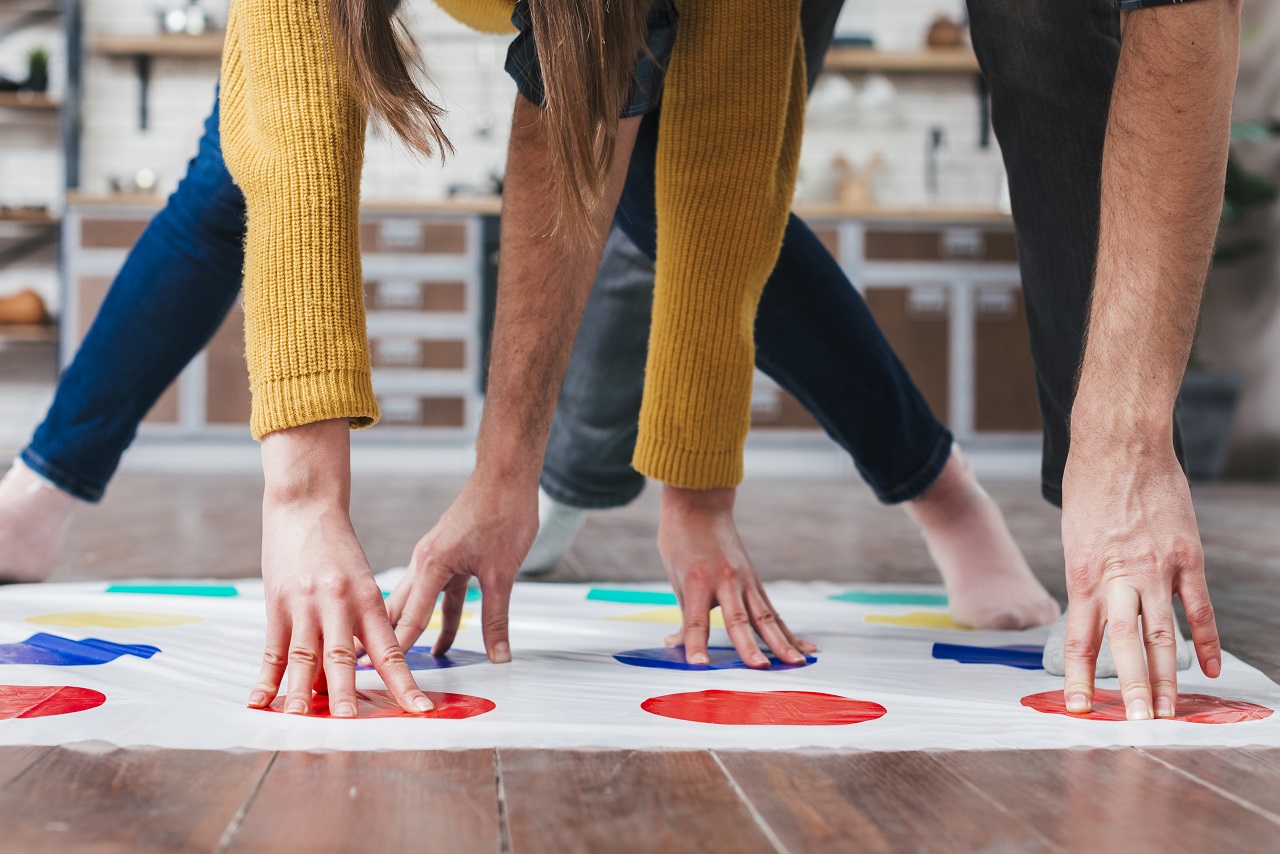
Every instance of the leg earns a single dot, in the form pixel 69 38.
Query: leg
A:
pixel 172 294
pixel 1051 67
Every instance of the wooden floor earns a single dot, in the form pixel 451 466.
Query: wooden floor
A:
pixel 101 799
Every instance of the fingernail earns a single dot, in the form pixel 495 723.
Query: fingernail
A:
pixel 345 710
pixel 501 652
pixel 1164 708
pixel 699 658
pixel 363 661
pixel 1213 668
pixel 422 704
pixel 295 707
pixel 1139 711
pixel 759 661
pixel 1078 704
pixel 258 698
pixel 794 657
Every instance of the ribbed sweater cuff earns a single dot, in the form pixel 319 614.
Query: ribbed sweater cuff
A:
pixel 687 469
pixel 279 404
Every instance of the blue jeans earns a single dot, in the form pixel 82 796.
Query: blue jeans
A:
pixel 814 336
pixel 170 297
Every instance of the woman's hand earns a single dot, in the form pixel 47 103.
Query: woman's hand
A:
pixel 486 533
pixel 320 592
pixel 708 565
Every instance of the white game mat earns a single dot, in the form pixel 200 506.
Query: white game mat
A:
pixel 170 664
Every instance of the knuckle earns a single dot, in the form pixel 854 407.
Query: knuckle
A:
pixel 1140 564
pixel 497 623
pixel 767 618
pixel 1081 577
pixel 272 658
pixel 1185 555
pixel 1161 636
pixel 737 620
pixel 1164 685
pixel 1079 649
pixel 1129 687
pixel 1200 614
pixel 341 655
pixel 1123 628
pixel 302 656
pixel 393 657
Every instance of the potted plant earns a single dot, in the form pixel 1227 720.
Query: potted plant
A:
pixel 1209 398
pixel 37 70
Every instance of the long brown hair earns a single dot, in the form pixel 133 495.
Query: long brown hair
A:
pixel 587 50
pixel 380 55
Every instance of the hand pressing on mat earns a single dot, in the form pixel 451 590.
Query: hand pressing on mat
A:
pixel 708 566
pixel 485 534
pixel 1131 543
pixel 319 589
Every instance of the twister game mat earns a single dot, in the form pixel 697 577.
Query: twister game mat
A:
pixel 171 664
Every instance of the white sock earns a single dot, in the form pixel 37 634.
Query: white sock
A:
pixel 558 525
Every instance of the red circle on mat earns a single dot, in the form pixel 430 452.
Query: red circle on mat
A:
pixel 763 708
pixel 44 701
pixel 1108 705
pixel 377 703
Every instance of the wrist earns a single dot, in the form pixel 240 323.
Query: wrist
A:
pixel 308 466
pixel 697 502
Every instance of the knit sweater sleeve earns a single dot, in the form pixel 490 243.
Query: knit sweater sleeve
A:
pixel 293 139
pixel 485 16
pixel 728 153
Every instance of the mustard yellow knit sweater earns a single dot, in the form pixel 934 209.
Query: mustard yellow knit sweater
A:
pixel 729 147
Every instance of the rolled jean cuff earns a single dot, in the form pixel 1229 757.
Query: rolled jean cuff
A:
pixel 915 485
pixel 566 494
pixel 69 483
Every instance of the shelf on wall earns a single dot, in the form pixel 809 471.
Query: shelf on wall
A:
pixel 207 46
pixel 143 50
pixel 28 333
pixel 932 61
pixel 28 101
pixel 32 216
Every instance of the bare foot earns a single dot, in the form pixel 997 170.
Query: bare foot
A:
pixel 34 517
pixel 988 582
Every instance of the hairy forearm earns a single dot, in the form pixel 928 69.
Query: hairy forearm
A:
pixel 1162 178
pixel 543 282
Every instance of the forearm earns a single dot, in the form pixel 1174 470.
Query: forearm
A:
pixel 543 282
pixel 1162 178
pixel 293 138
pixel 726 166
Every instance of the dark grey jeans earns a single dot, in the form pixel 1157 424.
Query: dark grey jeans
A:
pixel 1050 66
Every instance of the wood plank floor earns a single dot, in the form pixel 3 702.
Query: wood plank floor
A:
pixel 99 799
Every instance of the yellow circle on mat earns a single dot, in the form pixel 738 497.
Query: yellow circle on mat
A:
pixel 670 616
pixel 920 620
pixel 113 619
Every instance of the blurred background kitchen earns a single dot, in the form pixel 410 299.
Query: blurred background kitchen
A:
pixel 102 101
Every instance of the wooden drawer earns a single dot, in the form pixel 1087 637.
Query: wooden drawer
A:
pixel 423 411
pixel 409 235
pixel 917 329
pixel 940 244
pixel 428 354
pixel 402 295
pixel 1004 382
pixel 111 233
pixel 227 397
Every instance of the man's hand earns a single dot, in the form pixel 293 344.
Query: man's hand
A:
pixel 1127 525
pixel 485 533
pixel 1131 543
pixel 320 591
pixel 708 566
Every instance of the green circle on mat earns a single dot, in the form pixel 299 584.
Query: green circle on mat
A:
pixel 890 598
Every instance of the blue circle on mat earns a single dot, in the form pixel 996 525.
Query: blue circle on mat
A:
pixel 1021 656
pixel 420 658
pixel 722 658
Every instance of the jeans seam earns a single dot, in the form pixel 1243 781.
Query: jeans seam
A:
pixel 61 478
